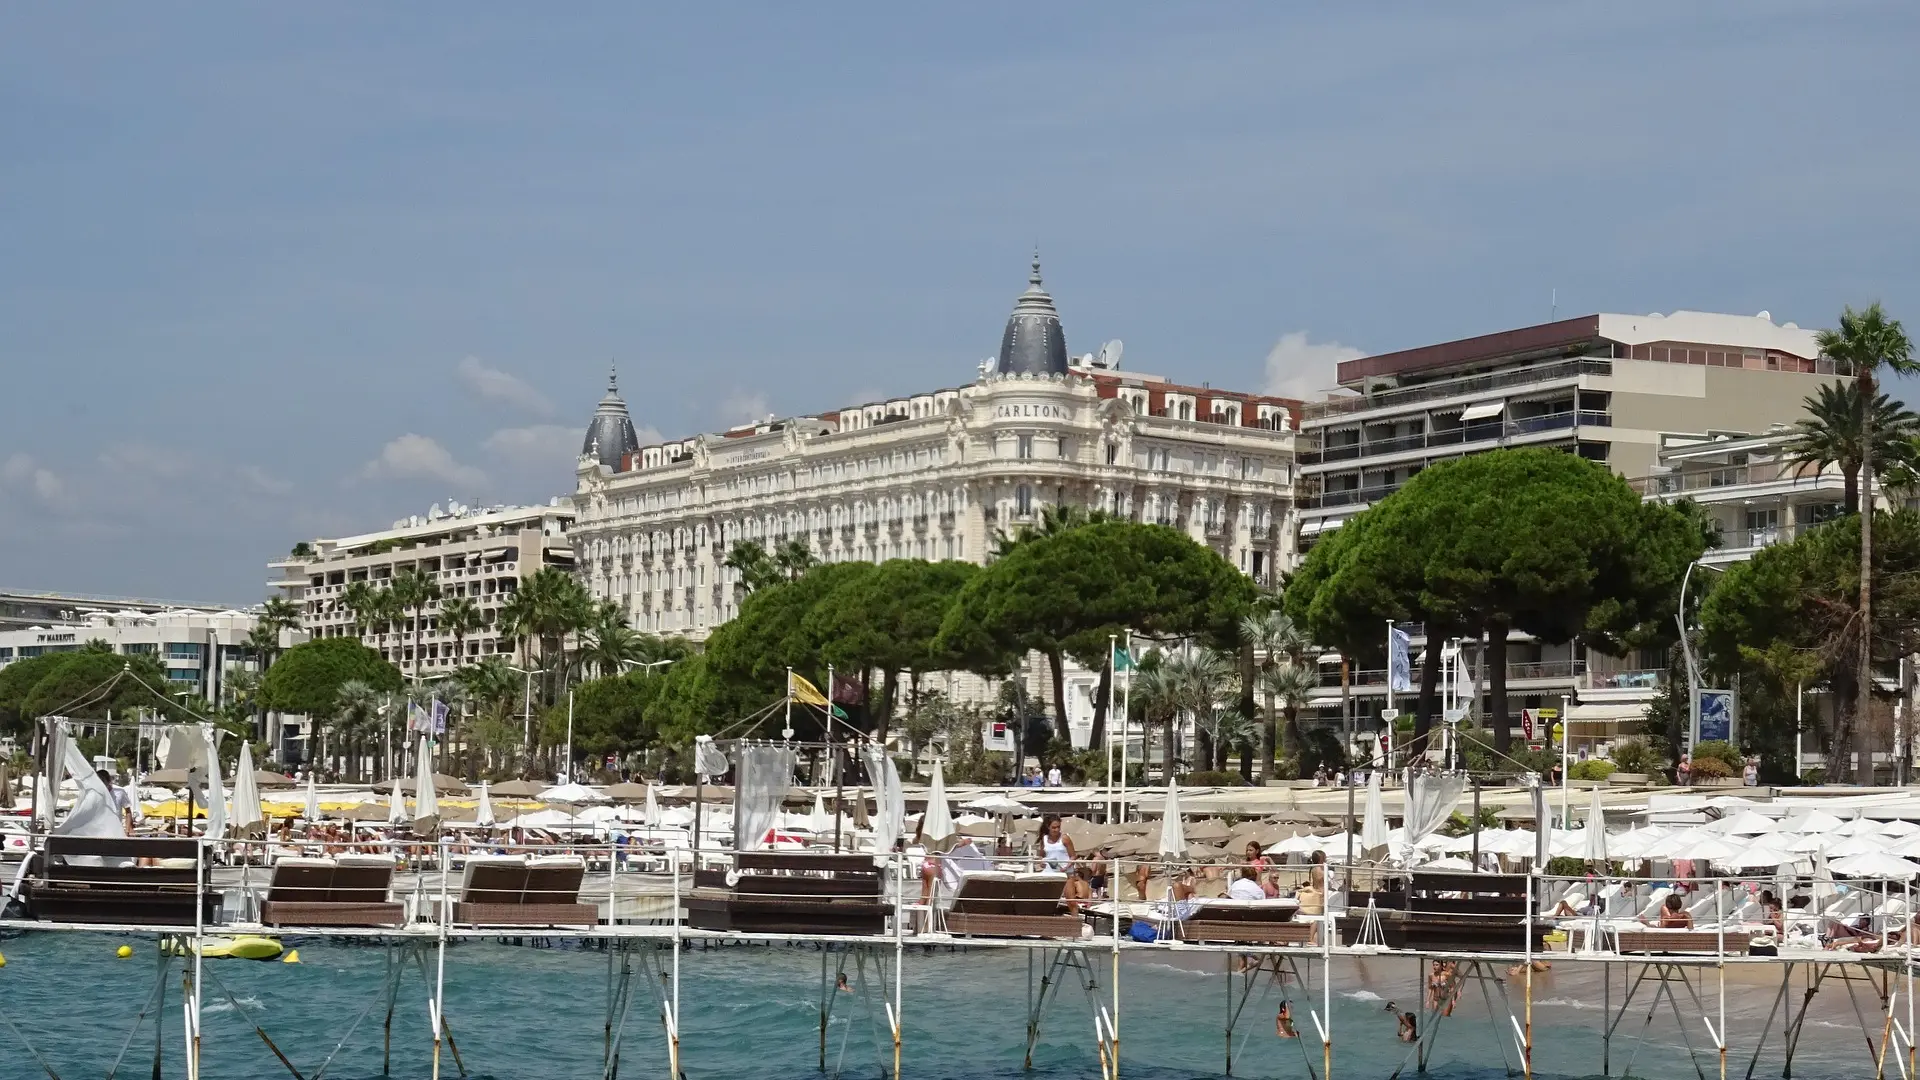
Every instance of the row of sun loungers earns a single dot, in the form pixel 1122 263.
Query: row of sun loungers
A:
pixel 156 882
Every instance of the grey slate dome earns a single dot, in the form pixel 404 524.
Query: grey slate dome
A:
pixel 1033 343
pixel 610 437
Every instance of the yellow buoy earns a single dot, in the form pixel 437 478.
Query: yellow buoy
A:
pixel 292 957
pixel 123 951
pixel 3 960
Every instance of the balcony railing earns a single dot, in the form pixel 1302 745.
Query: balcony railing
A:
pixel 1468 433
pixel 1641 679
pixel 1516 671
pixel 1732 476
pixel 1477 384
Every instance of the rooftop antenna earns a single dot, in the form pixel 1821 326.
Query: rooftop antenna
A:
pixel 1553 312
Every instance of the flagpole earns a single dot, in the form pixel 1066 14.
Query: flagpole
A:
pixel 789 719
pixel 1126 717
pixel 1113 676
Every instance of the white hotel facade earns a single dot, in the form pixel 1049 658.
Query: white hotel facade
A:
pixel 933 476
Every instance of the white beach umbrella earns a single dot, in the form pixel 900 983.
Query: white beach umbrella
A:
pixel 426 804
pixel 1849 846
pixel 937 823
pixel 1808 843
pixel 1813 821
pixel 1596 838
pixel 1876 864
pixel 652 816
pixel 1173 834
pixel 1747 823
pixel 572 795
pixel 821 823
pixel 1860 825
pixel 1706 849
pixel 313 799
pixel 396 805
pixel 1303 844
pixel 996 803
pixel 1373 827
pixel 246 791
pixel 1757 857
pixel 1448 864
pixel 483 814
pixel 1901 827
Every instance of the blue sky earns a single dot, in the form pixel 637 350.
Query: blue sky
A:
pixel 274 272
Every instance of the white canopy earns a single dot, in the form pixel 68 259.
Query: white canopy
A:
pixel 1173 836
pixel 246 791
pixel 574 794
pixel 1373 827
pixel 937 823
pixel 1596 838
pixel 1748 823
pixel 425 802
pixel 1876 864
pixel 483 814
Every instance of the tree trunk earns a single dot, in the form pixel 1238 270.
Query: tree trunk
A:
pixel 1496 663
pixel 1253 767
pixel 1056 667
pixel 1269 767
pixel 1863 694
pixel 1166 751
pixel 883 716
pixel 1100 695
pixel 1426 705
pixel 1202 756
pixel 1850 492
pixel 1297 739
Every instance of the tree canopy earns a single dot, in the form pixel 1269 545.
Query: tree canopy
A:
pixel 1536 540
pixel 307 677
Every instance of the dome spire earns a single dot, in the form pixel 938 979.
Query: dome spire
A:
pixel 610 435
pixel 613 378
pixel 1033 343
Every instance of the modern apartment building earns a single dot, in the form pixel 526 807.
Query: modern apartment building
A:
pixel 935 475
pixel 1612 388
pixel 479 553
pixel 198 649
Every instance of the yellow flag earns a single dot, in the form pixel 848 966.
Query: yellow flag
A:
pixel 804 692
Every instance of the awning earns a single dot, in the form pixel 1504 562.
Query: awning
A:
pixel 1482 411
pixel 1606 714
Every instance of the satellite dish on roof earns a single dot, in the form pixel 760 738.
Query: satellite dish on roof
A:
pixel 1767 315
pixel 1109 355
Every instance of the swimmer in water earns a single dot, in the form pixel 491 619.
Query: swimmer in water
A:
pixel 841 985
pixel 1283 1022
pixel 1409 1030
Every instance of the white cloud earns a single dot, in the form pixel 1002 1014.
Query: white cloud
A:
pixel 492 384
pixel 739 408
pixel 535 443
pixel 159 462
pixel 1299 368
pixel 22 473
pixel 263 481
pixel 416 457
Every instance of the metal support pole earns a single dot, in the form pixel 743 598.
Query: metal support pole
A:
pixel 438 1011
pixel 199 948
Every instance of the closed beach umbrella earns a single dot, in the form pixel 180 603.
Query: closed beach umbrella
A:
pixel 483 813
pixel 652 817
pixel 1596 845
pixel 821 823
pixel 313 799
pixel 425 803
pixel 937 823
pixel 246 792
pixel 1173 837
pixel 1373 827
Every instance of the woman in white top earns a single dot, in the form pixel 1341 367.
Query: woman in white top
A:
pixel 1056 851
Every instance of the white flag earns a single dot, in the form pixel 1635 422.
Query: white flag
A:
pixel 1399 665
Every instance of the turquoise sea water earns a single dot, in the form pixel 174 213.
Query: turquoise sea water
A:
pixel 528 1013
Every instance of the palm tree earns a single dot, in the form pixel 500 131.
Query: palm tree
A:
pixel 412 591
pixel 1206 680
pixel 1158 693
pixel 357 598
pixel 609 642
pixel 547 608
pixel 1868 341
pixel 357 710
pixel 460 616
pixel 1830 435
pixel 1278 642
pixel 1291 684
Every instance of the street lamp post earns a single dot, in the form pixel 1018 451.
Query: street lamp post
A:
pixel 526 700
pixel 1693 666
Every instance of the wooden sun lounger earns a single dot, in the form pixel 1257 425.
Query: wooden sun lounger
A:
pixel 120 891
pixel 1252 922
pixel 514 891
pixel 1682 942
pixel 994 903
pixel 350 890
pixel 789 892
